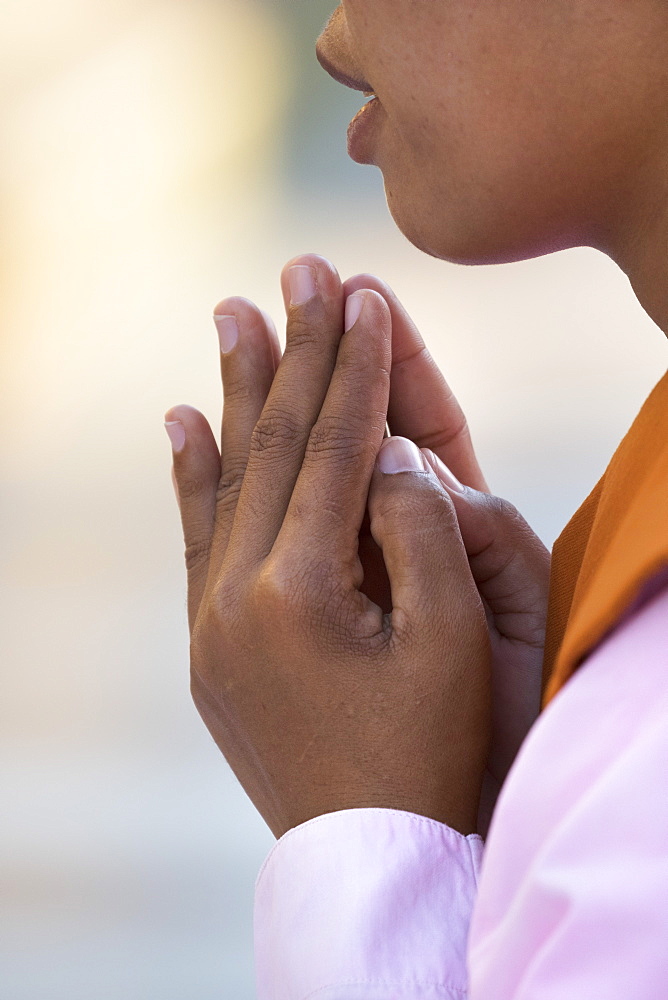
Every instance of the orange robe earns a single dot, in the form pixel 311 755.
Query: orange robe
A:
pixel 612 547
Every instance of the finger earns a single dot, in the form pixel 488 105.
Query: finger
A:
pixel 196 472
pixel 422 406
pixel 328 502
pixel 312 288
pixel 414 522
pixel 248 350
pixel 273 336
pixel 511 567
pixel 508 561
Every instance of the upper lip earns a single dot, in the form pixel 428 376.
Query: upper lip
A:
pixel 338 74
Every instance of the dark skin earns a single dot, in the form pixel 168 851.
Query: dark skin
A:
pixel 479 599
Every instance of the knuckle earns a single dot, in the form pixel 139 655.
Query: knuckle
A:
pixel 191 490
pixel 237 391
pixel 335 436
pixel 440 513
pixel 197 553
pixel 228 489
pixel 294 585
pixel 445 438
pixel 426 509
pixel 275 430
pixel 279 582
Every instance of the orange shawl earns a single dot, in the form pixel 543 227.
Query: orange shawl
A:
pixel 611 547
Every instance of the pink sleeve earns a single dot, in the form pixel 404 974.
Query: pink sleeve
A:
pixel 573 897
pixel 366 904
pixel 378 904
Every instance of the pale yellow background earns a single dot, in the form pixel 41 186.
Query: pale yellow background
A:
pixel 155 156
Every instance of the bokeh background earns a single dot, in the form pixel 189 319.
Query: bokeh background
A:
pixel 155 156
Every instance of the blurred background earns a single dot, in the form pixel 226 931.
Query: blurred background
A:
pixel 155 156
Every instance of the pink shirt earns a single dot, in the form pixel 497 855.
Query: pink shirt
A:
pixel 566 900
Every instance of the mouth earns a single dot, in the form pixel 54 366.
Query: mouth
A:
pixel 341 77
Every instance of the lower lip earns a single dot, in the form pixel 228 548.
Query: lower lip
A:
pixel 362 131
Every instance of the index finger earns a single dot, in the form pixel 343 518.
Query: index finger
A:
pixel 422 406
pixel 329 499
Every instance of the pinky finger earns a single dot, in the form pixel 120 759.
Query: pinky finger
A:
pixel 195 473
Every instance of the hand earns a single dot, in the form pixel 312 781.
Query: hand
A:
pixel 318 699
pixel 509 563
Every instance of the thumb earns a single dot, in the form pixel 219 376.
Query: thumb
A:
pixel 508 561
pixel 413 520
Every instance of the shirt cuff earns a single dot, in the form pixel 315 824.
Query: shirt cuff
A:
pixel 372 904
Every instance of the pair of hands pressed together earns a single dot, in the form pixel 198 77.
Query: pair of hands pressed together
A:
pixel 358 638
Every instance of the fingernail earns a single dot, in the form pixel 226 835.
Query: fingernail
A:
pixel 354 304
pixel 398 454
pixel 301 279
pixel 177 434
pixel 228 331
pixel 444 474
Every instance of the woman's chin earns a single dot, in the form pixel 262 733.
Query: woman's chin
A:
pixel 433 236
pixel 468 241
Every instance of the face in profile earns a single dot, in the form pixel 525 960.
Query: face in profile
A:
pixel 507 129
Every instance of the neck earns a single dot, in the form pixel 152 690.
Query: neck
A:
pixel 648 274
pixel 641 245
